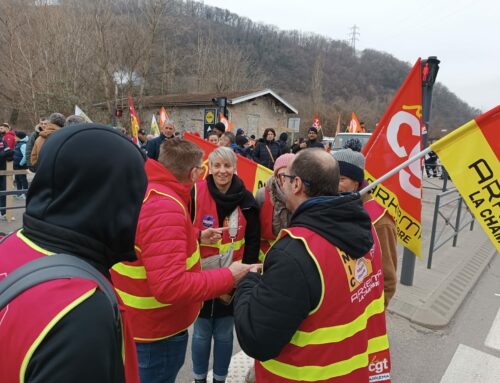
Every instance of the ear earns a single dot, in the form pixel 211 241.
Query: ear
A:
pixel 297 186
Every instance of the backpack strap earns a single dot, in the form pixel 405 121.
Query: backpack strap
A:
pixel 48 268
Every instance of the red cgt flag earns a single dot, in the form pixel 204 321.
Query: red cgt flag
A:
pixel 397 137
pixel 354 125
pixel 134 121
pixel 316 124
pixel 253 175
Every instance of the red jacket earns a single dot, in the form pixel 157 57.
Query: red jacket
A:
pixel 10 139
pixel 164 289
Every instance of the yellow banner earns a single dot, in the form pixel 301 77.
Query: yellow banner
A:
pixel 474 169
pixel 409 229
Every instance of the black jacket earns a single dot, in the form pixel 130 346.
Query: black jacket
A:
pixel 83 204
pixel 261 153
pixel 237 195
pixel 152 147
pixel 269 308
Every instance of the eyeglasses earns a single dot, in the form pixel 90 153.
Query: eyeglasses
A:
pixel 283 176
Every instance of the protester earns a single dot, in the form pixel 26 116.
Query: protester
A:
pixel 19 162
pixel 322 276
pixel 219 129
pixel 274 215
pixel 352 169
pixel 65 330
pixel 243 147
pixel 5 155
pixel 152 147
pixel 222 201
pixel 267 150
pixel 213 138
pixel 228 140
pixel 312 140
pixel 285 148
pixel 430 161
pixel 164 289
pixel 56 122
pixel 29 145
pixel 8 135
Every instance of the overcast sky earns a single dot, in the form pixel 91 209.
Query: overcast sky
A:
pixel 463 34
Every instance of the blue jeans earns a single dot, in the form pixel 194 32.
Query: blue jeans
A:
pixel 222 331
pixel 160 362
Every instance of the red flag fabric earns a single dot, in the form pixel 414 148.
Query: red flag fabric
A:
pixel 226 122
pixel 163 117
pixel 253 175
pixel 396 138
pixel 134 120
pixel 316 124
pixel 354 125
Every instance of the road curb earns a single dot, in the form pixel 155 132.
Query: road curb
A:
pixel 442 305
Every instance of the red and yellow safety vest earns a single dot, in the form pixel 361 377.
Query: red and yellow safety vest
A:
pixel 26 320
pixel 344 339
pixel 151 319
pixel 206 216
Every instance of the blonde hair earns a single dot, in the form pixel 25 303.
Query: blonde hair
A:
pixel 224 153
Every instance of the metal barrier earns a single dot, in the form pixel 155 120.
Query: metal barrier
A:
pixel 10 192
pixel 436 242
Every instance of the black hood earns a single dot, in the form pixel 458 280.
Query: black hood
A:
pixel 86 196
pixel 340 219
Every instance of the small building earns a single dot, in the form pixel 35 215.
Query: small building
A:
pixel 251 110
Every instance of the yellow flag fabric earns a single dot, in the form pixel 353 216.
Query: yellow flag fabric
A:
pixel 470 155
pixel 155 130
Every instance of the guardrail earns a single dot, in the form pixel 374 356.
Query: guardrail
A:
pixel 10 192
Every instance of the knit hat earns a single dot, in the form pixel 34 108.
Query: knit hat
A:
pixel 220 127
pixel 351 164
pixel 283 161
pixel 241 140
pixel 20 134
pixel 313 129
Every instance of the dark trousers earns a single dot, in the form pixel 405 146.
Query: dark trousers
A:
pixel 21 181
pixel 3 198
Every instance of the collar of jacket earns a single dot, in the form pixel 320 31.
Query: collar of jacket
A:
pixel 157 173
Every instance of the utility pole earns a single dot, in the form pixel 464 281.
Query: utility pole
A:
pixel 353 37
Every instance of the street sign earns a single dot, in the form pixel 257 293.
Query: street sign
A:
pixel 209 120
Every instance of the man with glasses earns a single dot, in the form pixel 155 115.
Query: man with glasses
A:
pixel 317 311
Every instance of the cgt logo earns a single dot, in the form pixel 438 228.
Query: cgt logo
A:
pixel 379 366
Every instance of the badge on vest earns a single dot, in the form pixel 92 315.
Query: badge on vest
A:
pixel 208 221
pixel 357 270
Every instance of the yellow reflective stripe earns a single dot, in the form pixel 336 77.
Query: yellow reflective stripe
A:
pixel 341 332
pixel 225 247
pixel 141 303
pixel 168 196
pixel 50 325
pixel 31 244
pixel 317 373
pixel 134 272
pixel 194 258
pixel 262 256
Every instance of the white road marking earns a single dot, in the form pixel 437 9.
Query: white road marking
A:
pixel 469 365
pixel 493 338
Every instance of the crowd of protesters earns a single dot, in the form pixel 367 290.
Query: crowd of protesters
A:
pixel 307 254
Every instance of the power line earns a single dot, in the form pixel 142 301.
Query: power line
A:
pixel 354 36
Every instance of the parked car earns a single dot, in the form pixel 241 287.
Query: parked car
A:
pixel 342 138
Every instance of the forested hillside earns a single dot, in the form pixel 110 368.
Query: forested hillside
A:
pixel 55 54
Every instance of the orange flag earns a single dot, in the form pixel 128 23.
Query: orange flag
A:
pixel 316 124
pixel 253 175
pixel 134 121
pixel 163 117
pixel 226 122
pixel 354 125
pixel 397 137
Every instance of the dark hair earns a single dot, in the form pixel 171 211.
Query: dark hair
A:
pixel 179 156
pixel 267 131
pixel 57 119
pixel 318 170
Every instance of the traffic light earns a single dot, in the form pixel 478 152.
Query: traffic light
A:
pixel 221 103
pixel 118 113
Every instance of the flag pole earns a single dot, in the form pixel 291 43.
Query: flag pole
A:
pixel 395 170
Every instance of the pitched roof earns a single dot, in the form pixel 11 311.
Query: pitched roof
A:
pixel 205 99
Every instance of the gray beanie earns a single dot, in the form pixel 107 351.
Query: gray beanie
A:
pixel 351 164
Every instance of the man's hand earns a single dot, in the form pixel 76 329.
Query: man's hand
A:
pixel 211 235
pixel 239 270
pixel 256 268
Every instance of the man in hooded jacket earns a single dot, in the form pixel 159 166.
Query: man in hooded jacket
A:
pixel 79 203
pixel 317 311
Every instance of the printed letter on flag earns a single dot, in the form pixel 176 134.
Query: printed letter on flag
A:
pixel 397 138
pixel 354 125
pixel 253 175
pixel 470 156
pixel 134 121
